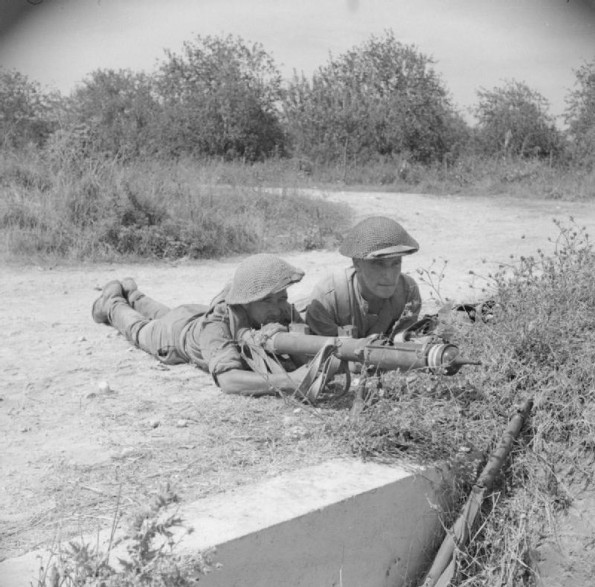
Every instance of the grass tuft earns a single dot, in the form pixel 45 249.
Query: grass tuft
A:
pixel 150 559
pixel 104 210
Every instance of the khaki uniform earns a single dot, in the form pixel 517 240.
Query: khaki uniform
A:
pixel 202 335
pixel 337 301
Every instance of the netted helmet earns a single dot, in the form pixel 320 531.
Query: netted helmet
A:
pixel 378 237
pixel 259 276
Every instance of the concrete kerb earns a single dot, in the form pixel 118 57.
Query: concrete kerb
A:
pixel 343 523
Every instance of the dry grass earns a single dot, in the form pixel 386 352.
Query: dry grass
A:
pixel 95 209
pixel 199 448
pixel 103 210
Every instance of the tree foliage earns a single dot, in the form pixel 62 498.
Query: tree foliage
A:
pixel 580 114
pixel 220 98
pixel 513 119
pixel 118 112
pixel 25 111
pixel 378 100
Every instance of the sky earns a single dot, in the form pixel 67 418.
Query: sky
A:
pixel 475 43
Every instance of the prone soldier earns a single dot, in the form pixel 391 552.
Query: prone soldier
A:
pixel 209 336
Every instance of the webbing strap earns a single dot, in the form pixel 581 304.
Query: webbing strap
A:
pixel 318 373
pixel 321 369
pixel 259 360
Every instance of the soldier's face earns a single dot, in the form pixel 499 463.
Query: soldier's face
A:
pixel 378 277
pixel 268 310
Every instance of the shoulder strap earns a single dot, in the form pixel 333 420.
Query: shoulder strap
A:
pixel 347 308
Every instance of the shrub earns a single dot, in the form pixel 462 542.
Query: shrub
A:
pixel 513 120
pixel 151 559
pixel 580 115
pixel 25 111
pixel 382 99
pixel 104 209
pixel 111 113
pixel 219 99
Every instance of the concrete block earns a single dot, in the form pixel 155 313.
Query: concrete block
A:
pixel 344 523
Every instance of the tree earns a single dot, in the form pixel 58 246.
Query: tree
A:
pixel 513 120
pixel 119 111
pixel 378 100
pixel 25 111
pixel 580 114
pixel 220 98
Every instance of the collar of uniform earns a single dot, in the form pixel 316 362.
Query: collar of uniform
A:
pixel 361 301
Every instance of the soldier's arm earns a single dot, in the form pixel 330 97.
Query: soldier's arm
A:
pixel 230 371
pixel 242 382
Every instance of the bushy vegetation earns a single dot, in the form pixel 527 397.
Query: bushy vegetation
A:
pixel 219 99
pixel 150 558
pixel 94 209
pixel 380 103
pixel 537 345
pixel 26 112
pixel 382 100
pixel 513 121
pixel 580 116
pixel 111 114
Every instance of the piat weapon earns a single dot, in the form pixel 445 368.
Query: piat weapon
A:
pixel 418 347
pixel 397 353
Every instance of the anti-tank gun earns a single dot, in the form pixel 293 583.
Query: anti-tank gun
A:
pixel 381 353
pixel 418 347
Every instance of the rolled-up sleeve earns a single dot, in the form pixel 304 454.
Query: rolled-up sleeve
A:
pixel 219 350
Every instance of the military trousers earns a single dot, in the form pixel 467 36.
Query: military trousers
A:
pixel 154 327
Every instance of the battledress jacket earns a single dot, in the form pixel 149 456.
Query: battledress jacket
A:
pixel 337 301
pixel 210 342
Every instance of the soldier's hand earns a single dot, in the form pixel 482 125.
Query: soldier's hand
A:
pixel 260 336
pixel 271 329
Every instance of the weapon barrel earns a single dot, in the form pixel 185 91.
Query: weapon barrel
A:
pixel 404 356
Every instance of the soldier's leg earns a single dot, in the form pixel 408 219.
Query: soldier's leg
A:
pixel 163 337
pixel 159 337
pixel 113 309
pixel 152 336
pixel 141 302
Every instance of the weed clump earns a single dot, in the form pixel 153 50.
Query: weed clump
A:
pixel 150 558
pixel 101 210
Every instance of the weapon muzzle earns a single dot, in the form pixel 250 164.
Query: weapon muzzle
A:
pixel 444 358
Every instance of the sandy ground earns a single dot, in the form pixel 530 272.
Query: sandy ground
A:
pixel 62 437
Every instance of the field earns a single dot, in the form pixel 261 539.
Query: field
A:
pixel 70 448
